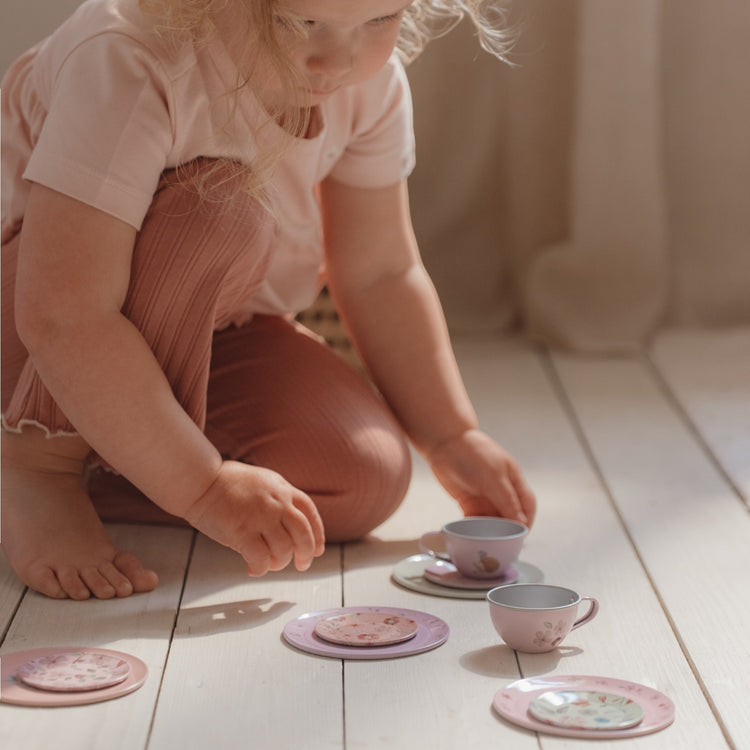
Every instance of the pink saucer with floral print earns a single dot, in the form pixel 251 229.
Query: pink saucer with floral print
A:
pixel 647 709
pixel 586 709
pixel 73 671
pixel 366 629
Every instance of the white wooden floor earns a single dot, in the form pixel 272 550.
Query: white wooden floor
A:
pixel 642 470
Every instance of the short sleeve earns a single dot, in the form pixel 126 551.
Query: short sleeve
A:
pixel 108 130
pixel 381 149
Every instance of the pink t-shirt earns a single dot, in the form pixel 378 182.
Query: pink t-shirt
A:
pixel 101 108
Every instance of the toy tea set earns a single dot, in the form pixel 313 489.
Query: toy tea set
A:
pixel 477 558
pixel 471 558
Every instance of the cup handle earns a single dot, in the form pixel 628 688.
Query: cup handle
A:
pixel 433 544
pixel 590 615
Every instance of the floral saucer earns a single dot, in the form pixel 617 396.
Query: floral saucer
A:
pixel 514 703
pixel 586 709
pixel 366 629
pixel 73 671
pixel 431 632
pixel 19 667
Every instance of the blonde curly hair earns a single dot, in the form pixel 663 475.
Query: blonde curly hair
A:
pixel 178 21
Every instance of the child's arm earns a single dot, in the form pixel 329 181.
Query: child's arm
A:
pixel 389 304
pixel 73 275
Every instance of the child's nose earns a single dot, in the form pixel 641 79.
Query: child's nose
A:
pixel 332 60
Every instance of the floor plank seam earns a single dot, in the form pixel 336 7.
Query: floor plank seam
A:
pixel 178 609
pixel 343 704
pixel 591 457
pixel 12 617
pixel 692 428
pixel 342 562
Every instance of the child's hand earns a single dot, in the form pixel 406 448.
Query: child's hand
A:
pixel 483 477
pixel 257 513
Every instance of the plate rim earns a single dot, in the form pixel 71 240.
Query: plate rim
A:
pixel 15 692
pixel 529 687
pixel 432 632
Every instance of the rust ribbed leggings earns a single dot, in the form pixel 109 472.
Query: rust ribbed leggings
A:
pixel 266 392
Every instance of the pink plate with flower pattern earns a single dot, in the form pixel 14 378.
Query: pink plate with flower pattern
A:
pixel 586 709
pixel 514 702
pixel 429 632
pixel 74 671
pixel 55 676
pixel 367 629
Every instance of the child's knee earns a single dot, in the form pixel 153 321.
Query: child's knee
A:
pixel 373 481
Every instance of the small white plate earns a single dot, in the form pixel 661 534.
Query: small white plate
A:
pixel 586 709
pixel 74 671
pixel 366 629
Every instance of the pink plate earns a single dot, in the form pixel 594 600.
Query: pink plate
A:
pixel 431 632
pixel 513 701
pixel 445 574
pixel 15 690
pixel 74 671
pixel 366 629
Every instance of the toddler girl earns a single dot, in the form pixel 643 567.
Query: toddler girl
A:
pixel 179 179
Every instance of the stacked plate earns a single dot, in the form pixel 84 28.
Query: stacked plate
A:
pixel 366 632
pixel 69 676
pixel 585 706
pixel 427 575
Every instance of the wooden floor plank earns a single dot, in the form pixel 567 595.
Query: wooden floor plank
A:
pixel 425 700
pixel 579 542
pixel 638 505
pixel 140 625
pixel 11 592
pixel 686 523
pixel 442 699
pixel 231 681
pixel 708 372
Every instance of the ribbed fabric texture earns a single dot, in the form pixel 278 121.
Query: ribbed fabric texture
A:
pixel 267 392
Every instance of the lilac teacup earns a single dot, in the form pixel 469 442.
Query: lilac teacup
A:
pixel 479 546
pixel 535 617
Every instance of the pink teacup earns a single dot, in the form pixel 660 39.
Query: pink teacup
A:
pixel 535 617
pixel 479 546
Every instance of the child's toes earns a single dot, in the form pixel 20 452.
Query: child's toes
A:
pixel 132 568
pixel 42 578
pixel 120 584
pixel 97 582
pixel 72 584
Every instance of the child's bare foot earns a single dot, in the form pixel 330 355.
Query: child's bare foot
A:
pixel 51 533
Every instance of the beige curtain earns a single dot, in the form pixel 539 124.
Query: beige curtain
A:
pixel 598 190
pixel 594 192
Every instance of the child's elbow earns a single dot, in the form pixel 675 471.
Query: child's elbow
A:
pixel 35 324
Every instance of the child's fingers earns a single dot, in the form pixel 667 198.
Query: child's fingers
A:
pixel 526 497
pixel 307 507
pixel 280 546
pixel 528 503
pixel 503 501
pixel 257 556
pixel 300 523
